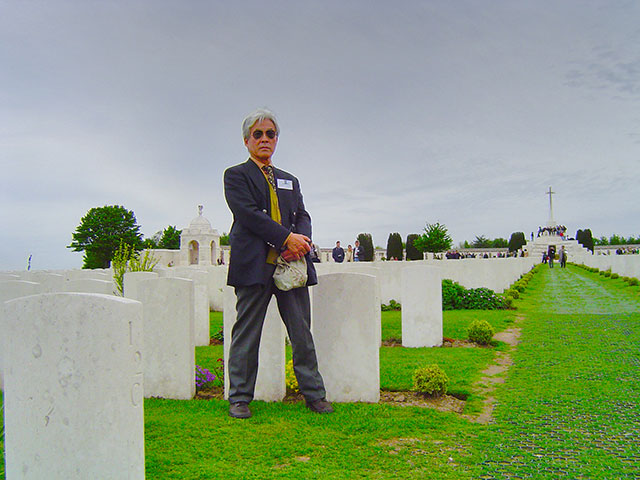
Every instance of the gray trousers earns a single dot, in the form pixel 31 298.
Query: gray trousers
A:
pixel 251 308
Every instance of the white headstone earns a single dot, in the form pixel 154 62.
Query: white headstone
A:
pixel 270 382
pixel 169 361
pixel 346 330
pixel 131 281
pixel 90 285
pixel 421 306
pixel 73 398
pixel 8 291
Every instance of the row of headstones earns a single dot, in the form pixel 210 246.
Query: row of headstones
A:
pixel 624 265
pixel 494 273
pixel 78 365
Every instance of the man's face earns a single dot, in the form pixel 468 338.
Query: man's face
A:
pixel 337 244
pixel 262 148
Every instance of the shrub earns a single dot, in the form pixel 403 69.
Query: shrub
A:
pixel 456 297
pixel 633 282
pixel 615 275
pixel 607 273
pixel 513 293
pixel 430 380
pixel 412 253
pixel 452 295
pixel 394 247
pixel 290 379
pixel 480 332
pixel 393 305
pixel 483 299
pixel 519 287
pixel 625 279
pixel 508 301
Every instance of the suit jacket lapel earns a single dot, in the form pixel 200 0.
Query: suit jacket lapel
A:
pixel 257 177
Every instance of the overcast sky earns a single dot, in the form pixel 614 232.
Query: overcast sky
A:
pixel 393 114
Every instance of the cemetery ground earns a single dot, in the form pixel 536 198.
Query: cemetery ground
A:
pixel 559 400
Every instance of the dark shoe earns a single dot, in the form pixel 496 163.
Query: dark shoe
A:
pixel 320 406
pixel 239 410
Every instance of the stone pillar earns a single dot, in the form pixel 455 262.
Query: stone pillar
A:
pixel 270 384
pixel 73 399
pixel 346 331
pixel 169 361
pixel 421 307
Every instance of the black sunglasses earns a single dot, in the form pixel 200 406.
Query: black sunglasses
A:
pixel 257 134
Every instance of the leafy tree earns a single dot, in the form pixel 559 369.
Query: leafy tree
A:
pixel 434 239
pixel 170 238
pixel 366 242
pixel 517 241
pixel 499 242
pixel 412 252
pixel 100 233
pixel 481 242
pixel 394 247
pixel 224 239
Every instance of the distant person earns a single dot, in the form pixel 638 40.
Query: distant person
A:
pixel 551 253
pixel 563 257
pixel 349 253
pixel 338 253
pixel 358 252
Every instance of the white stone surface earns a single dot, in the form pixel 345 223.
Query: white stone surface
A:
pixel 73 399
pixel 421 306
pixel 89 285
pixel 270 382
pixel 169 360
pixel 9 290
pixel 346 331
pixel 49 282
pixel 132 280
pixel 200 277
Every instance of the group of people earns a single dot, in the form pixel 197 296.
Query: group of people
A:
pixel 550 255
pixel 558 230
pixel 352 254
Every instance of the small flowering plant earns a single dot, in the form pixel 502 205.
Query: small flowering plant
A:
pixel 204 378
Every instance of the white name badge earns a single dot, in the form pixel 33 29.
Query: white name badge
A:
pixel 285 184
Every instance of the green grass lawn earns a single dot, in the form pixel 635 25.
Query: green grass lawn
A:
pixel 568 409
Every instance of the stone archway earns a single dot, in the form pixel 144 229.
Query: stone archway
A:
pixel 194 250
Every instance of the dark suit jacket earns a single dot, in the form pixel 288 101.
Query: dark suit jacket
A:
pixel 253 231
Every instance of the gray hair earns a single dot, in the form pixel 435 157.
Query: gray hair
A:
pixel 257 116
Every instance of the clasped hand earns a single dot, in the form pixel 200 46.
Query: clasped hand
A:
pixel 297 246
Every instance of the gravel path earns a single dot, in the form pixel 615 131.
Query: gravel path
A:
pixel 570 407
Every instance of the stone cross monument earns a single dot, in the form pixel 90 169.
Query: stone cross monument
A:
pixel 551 222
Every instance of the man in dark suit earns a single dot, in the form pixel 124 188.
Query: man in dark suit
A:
pixel 269 219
